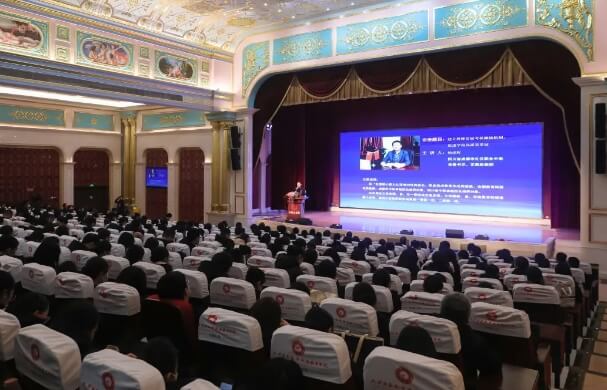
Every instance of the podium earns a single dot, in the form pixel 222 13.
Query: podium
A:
pixel 295 207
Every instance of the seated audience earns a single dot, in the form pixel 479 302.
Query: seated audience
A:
pixel 416 340
pixel 78 320
pixel 30 308
pixel 97 269
pixel 318 318
pixel 534 275
pixel 257 278
pixel 268 314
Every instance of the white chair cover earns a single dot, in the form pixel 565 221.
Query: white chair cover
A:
pixel 403 273
pixel 116 266
pixel 564 285
pixel 535 293
pixel 388 367
pixel 9 328
pixel 345 275
pixel 200 384
pixel 153 272
pixel 511 279
pixel 238 271
pixel 489 295
pixel 203 251
pixel 30 248
pixel 109 369
pixel 307 269
pixel 118 250
pixel 178 247
pixel 359 267
pixel 421 275
pixel 473 281
pixel 70 285
pixel 276 277
pixel 232 292
pixel 396 284
pixel 261 252
pixel 65 241
pixel 384 299
pixel 500 320
pixel 444 333
pixel 421 302
pixel 197 283
pixel 294 304
pixel 476 273
pixel 117 298
pixel 261 262
pixel 578 275
pixel 193 262
pixel 229 328
pixel 13 266
pixel 47 357
pixel 320 355
pixel 38 278
pixel 356 317
pixel 80 258
pixel 319 283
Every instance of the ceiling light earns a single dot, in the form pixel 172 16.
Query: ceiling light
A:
pixel 67 97
pixel 328 9
pixel 280 10
pixel 308 23
pixel 352 3
pixel 265 4
pixel 292 16
pixel 341 16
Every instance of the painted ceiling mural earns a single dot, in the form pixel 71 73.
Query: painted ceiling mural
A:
pixel 217 23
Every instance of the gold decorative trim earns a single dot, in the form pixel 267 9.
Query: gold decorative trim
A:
pixel 204 49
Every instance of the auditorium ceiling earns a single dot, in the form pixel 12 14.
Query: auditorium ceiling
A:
pixel 219 24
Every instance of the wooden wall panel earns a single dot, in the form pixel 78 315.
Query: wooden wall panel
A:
pixel 156 198
pixel 29 173
pixel 191 184
pixel 91 167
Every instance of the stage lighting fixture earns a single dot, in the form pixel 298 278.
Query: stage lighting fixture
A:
pixel 336 226
pixel 407 232
pixel 481 237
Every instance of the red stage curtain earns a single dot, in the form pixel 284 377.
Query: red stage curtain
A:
pixel 323 82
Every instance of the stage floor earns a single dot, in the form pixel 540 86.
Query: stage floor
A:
pixel 434 226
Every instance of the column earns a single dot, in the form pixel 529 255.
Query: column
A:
pixel 207 186
pixel 129 155
pixel 67 182
pixel 244 178
pixel 173 189
pixel 221 206
pixel 115 181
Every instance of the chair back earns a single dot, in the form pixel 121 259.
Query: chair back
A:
pixel 511 279
pixel 396 284
pixel 38 278
pixel 359 267
pixel 418 285
pixel 116 266
pixel 197 283
pixel 261 262
pixel 233 293
pixel 276 277
pixel 153 273
pixel 72 285
pixel 203 251
pixel 80 258
pixel 13 266
pixel 350 316
pixel 388 367
pixel 307 269
pixel 535 293
pixel 9 328
pixel 444 333
pixel 193 262
pixel 473 281
pixel 423 274
pixel 421 302
pixel 403 273
pixel 117 250
pixel 238 271
pixel 500 320
pixel 345 275
pixel 319 283
pixel 178 247
pixel 489 295
pixel 475 273
pixel 294 304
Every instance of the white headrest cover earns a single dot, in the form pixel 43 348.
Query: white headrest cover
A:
pixel 225 327
pixel 116 266
pixel 277 277
pixel 403 273
pixel 197 283
pixel 13 266
pixel 359 267
pixel 308 269
pixel 578 275
pixel 108 369
pixel 418 285
pixel 202 251
pixel 294 304
pixel 421 302
pixel 153 272
pixel 49 358
pixel 500 320
pixel 535 293
pixel 472 281
pixel 73 285
pixel 117 250
pixel 9 328
pixel 472 273
pixel 444 333
pixel 238 271
pixel 261 262
pixel 178 247
pixel 511 279
pixel 560 281
pixel 389 367
pixel 80 258
pixel 66 240
pixel 192 262
pixel 319 283
pixel 345 275
pixel 200 384
pixel 489 295
pixel 384 299
pixel 396 284
pixel 38 278
pixel 117 298
pixel 232 293
pixel 320 355
pixel 31 247
pixel 356 317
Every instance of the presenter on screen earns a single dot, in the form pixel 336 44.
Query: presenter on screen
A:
pixel 396 158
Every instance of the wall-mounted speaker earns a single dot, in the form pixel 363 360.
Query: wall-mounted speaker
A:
pixel 235 135
pixel 600 153
pixel 600 120
pixel 235 159
pixel 454 233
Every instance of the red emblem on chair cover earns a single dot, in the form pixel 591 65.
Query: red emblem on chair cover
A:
pixel 61 281
pixel 482 296
pixel 341 312
pixel 413 296
pixel 310 284
pixel 212 318
pixel 475 281
pixel 108 381
pixel 298 348
pixel 354 265
pixel 404 376
pixel 492 315
pixel 102 293
pixel 193 262
pixel 280 299
pixel 257 261
pixel 226 288
pixel 31 274
pixel 35 352
pixel 77 258
pixel 528 289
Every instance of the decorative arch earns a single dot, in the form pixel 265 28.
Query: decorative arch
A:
pixel 156 199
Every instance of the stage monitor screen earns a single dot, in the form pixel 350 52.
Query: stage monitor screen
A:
pixel 493 170
pixel 156 177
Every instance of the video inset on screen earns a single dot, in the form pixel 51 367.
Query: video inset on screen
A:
pixel 399 153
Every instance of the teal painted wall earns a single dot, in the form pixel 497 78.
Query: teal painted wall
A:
pixel 84 120
pixel 173 120
pixel 302 47
pixel 23 115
